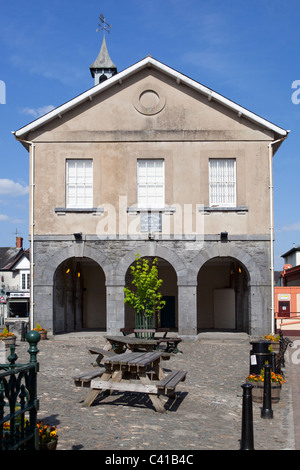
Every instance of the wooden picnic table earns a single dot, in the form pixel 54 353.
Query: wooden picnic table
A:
pixel 121 343
pixel 136 372
pixel 171 341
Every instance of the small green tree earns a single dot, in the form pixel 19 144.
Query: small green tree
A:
pixel 145 298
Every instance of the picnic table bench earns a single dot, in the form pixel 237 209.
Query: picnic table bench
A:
pixel 138 372
pixel 146 332
pixel 83 379
pixel 101 353
pixel 168 384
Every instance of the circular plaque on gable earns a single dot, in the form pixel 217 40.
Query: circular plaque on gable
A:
pixel 149 101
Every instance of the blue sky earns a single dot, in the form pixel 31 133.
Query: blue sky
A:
pixel 246 50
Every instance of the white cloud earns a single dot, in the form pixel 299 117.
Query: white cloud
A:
pixel 291 228
pixel 11 188
pixel 3 217
pixel 216 62
pixel 37 112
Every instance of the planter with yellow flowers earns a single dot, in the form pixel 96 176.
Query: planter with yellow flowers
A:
pixel 258 386
pixel 275 342
pixel 8 338
pixel 48 436
pixel 42 331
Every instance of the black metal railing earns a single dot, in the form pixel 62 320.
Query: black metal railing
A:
pixel 18 399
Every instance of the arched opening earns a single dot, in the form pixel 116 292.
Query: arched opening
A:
pixel 223 295
pixel 79 300
pixel 168 317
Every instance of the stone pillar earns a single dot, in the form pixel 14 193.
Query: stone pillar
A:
pixel 43 306
pixel 187 312
pixel 69 304
pixel 78 303
pixel 115 309
pixel 260 312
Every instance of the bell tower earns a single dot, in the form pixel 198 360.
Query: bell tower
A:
pixel 103 67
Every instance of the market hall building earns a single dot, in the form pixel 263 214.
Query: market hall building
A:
pixel 148 161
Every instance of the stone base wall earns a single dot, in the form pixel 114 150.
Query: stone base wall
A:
pixel 185 256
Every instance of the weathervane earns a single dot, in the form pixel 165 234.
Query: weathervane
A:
pixel 103 25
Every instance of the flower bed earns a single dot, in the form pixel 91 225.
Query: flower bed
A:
pixel 48 436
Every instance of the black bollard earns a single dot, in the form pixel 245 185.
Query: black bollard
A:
pixel 23 331
pixel 247 442
pixel 266 411
pixel 273 362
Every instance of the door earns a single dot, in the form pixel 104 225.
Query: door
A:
pixel 224 309
pixel 167 314
pixel 284 308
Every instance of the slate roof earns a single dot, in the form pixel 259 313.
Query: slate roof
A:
pixel 103 60
pixel 292 250
pixel 9 256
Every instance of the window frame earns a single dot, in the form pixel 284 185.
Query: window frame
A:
pixel 219 203
pixel 155 207
pixel 24 280
pixel 77 185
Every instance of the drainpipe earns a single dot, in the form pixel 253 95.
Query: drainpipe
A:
pixel 270 146
pixel 32 147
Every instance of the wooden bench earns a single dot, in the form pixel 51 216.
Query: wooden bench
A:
pixel 83 379
pixel 171 344
pixel 139 332
pixel 101 353
pixel 150 331
pixel 168 384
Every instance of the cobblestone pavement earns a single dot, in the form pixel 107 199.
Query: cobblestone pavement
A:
pixel 207 414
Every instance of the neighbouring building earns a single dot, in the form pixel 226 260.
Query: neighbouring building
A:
pixel 148 161
pixel 15 283
pixel 287 294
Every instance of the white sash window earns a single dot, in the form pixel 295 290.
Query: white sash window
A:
pixel 79 183
pixel 151 184
pixel 222 182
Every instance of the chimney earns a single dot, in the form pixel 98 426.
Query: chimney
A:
pixel 19 242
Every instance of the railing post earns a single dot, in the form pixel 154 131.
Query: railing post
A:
pixel 267 411
pixel 33 337
pixel 12 357
pixel 2 404
pixel 247 442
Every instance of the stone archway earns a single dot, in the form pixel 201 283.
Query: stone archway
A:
pixel 154 250
pixel 168 317
pixel 79 296
pixel 46 265
pixel 223 295
pixel 256 297
pixel 172 263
